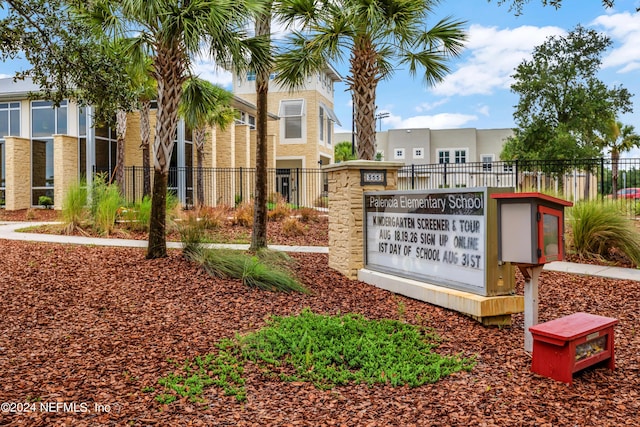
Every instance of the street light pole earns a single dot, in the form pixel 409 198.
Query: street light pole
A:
pixel 381 116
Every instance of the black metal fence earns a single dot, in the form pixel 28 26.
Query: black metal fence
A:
pixel 585 179
pixel 230 186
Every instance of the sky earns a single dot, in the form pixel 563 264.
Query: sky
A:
pixel 476 93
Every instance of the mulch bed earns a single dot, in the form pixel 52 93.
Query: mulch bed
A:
pixel 93 325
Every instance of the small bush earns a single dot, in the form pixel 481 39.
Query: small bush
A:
pixel 597 227
pixel 243 214
pixel 98 190
pixel 308 215
pixel 292 227
pixel 45 201
pixel 213 217
pixel 74 207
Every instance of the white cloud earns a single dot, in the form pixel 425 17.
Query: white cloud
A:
pixel 428 106
pixel 208 70
pixel 483 109
pixel 491 58
pixel 624 30
pixel 436 121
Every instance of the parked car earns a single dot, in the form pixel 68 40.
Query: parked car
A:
pixel 629 193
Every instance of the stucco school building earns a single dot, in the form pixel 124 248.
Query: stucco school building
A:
pixel 44 149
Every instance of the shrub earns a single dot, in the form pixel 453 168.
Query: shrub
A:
pixel 136 217
pixel 308 215
pixel 98 190
pixel 74 207
pixel 45 201
pixel 292 227
pixel 213 217
pixel 597 227
pixel 243 214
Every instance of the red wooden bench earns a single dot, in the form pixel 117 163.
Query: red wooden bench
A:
pixel 569 344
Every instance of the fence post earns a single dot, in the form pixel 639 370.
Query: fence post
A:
pixel 444 178
pixel 133 183
pixel 298 188
pixel 241 187
pixel 516 176
pixel 413 176
pixel 602 178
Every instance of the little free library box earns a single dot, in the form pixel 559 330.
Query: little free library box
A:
pixel 569 344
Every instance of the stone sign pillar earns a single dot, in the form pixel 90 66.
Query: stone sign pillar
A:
pixel 347 183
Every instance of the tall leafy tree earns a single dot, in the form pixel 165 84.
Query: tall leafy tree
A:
pixel 176 31
pixel 67 60
pixel 377 36
pixel 204 105
pixel 562 105
pixel 618 138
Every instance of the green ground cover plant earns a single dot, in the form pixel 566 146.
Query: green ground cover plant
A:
pixel 324 350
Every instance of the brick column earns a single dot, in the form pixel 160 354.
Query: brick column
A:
pixel 346 229
pixel 65 166
pixel 18 173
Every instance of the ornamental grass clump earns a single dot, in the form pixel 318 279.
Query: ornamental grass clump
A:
pixel 74 207
pixel 263 270
pixel 597 227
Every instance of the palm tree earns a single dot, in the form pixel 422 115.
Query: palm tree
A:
pixel 379 35
pixel 203 104
pixel 619 138
pixel 263 70
pixel 175 31
pixel 342 152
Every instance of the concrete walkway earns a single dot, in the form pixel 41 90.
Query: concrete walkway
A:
pixel 8 232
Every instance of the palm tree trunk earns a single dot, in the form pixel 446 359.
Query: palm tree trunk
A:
pixel 170 70
pixel 363 81
pixel 259 232
pixel 145 136
pixel 157 221
pixel 615 160
pixel 121 131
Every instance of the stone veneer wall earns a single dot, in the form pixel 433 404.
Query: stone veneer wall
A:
pixel 17 173
pixel 65 166
pixel 346 233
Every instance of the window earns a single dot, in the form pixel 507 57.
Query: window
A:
pixel 507 167
pixel 291 111
pixel 398 154
pixel 443 157
pixel 9 126
pixel 487 162
pixel 459 156
pixel 247 119
pixel 46 121
pixel 251 76
pixel 321 123
pixel 418 153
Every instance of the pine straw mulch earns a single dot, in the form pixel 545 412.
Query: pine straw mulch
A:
pixel 99 325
